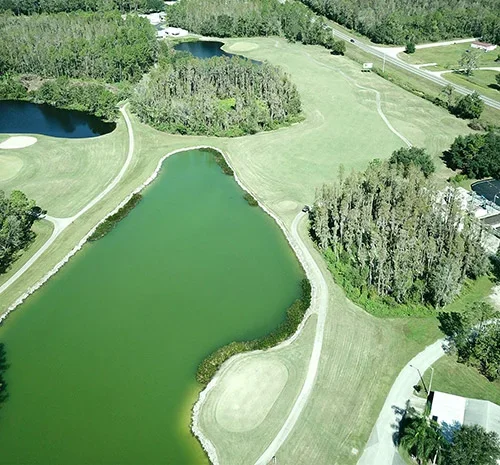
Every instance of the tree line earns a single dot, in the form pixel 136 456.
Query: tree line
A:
pixel 17 214
pixel 233 18
pixel 28 7
pixel 402 21
pixel 392 238
pixel 91 97
pixel 99 46
pixel 220 96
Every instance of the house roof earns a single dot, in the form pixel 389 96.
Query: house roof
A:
pixel 451 411
pixel 483 44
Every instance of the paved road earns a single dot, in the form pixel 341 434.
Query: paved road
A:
pixel 60 224
pixel 319 305
pixel 380 448
pixel 407 67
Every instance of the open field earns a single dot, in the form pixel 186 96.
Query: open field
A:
pixel 362 354
pixel 462 380
pixel 483 81
pixel 447 57
pixel 342 126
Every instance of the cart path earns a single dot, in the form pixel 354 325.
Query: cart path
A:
pixel 319 305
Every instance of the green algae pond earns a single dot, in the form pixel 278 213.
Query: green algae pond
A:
pixel 103 357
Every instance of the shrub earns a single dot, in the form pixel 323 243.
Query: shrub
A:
pixel 410 47
pixel 468 107
pixel 110 223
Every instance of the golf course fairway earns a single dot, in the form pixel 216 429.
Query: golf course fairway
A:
pixel 103 357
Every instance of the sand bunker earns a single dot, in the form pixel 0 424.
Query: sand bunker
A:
pixel 18 142
pixel 242 47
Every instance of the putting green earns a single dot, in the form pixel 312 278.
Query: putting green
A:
pixel 242 47
pixel 239 408
pixel 10 165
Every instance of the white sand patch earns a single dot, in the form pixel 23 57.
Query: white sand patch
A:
pixel 18 142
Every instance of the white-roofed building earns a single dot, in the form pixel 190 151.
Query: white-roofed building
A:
pixel 452 411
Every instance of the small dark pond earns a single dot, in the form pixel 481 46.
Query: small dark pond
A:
pixel 206 49
pixel 30 118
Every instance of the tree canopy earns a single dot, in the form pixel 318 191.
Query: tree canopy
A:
pixel 233 18
pixel 17 214
pixel 476 155
pixel 416 156
pixel 468 107
pixel 393 234
pixel 475 337
pixel 78 45
pixel 400 21
pixel 221 96
pixel 473 445
pixel 28 7
pixel 425 440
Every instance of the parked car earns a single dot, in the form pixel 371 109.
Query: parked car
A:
pixel 306 208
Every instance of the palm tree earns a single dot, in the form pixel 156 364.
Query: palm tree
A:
pixel 422 438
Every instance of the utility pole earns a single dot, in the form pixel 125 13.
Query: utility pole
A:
pixel 383 64
pixel 421 379
pixel 430 383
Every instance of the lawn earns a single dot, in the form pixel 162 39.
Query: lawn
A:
pixel 63 175
pixel 362 355
pixel 482 81
pixel 457 378
pixel 447 57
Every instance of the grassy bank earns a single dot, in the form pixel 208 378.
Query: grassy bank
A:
pixel 482 81
pixel 462 380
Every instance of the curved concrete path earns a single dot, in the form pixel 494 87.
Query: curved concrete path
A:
pixel 380 448
pixel 60 224
pixel 319 305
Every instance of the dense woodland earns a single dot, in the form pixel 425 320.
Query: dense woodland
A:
pixel 234 18
pixel 78 45
pixel 391 236
pixel 28 7
pixel 400 21
pixel 220 96
pixel 17 214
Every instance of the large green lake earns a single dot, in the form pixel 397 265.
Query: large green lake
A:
pixel 103 357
